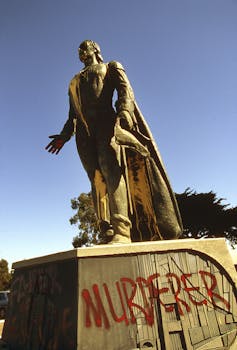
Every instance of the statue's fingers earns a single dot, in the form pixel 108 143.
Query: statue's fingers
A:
pixel 54 150
pixel 47 147
pixel 50 145
pixel 51 149
pixel 53 136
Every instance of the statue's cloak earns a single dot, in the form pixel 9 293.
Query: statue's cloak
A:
pixel 154 210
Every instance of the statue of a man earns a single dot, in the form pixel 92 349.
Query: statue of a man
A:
pixel 131 193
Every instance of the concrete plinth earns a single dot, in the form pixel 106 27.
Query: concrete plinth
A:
pixel 167 295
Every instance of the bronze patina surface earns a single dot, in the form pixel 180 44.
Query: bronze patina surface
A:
pixel 132 195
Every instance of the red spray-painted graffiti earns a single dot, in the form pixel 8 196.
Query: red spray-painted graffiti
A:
pixel 40 314
pixel 127 289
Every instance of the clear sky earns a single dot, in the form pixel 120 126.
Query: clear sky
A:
pixel 181 59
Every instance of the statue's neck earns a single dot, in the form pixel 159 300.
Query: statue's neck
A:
pixel 91 61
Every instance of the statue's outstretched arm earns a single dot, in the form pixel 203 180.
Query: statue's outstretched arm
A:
pixel 59 140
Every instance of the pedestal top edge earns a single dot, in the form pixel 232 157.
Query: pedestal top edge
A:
pixel 210 246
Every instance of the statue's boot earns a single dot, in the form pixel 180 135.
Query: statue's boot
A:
pixel 106 233
pixel 121 227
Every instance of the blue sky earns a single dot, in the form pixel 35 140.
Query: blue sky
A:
pixel 181 59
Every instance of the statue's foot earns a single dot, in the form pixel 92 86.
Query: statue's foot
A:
pixel 107 236
pixel 120 239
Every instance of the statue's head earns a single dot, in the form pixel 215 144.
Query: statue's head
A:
pixel 89 47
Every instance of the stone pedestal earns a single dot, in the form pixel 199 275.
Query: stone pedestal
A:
pixel 167 295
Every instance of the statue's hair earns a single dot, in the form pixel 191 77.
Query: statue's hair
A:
pixel 96 47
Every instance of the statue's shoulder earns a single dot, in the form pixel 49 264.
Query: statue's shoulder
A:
pixel 73 84
pixel 115 65
pixel 74 80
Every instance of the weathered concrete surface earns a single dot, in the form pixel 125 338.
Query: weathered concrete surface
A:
pixel 163 295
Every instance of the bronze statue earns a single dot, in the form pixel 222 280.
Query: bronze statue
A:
pixel 132 195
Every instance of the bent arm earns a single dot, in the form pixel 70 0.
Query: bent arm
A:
pixel 125 93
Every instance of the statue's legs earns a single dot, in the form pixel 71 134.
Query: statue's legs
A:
pixel 99 155
pixel 110 165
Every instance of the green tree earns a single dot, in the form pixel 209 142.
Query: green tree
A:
pixel 203 215
pixel 86 221
pixel 5 276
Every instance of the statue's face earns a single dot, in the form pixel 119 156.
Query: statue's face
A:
pixel 86 51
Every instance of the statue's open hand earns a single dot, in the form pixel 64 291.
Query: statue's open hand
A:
pixel 56 144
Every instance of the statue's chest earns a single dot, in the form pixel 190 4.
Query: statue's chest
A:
pixel 94 77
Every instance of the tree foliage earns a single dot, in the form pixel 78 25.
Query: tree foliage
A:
pixel 86 221
pixel 203 215
pixel 5 276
